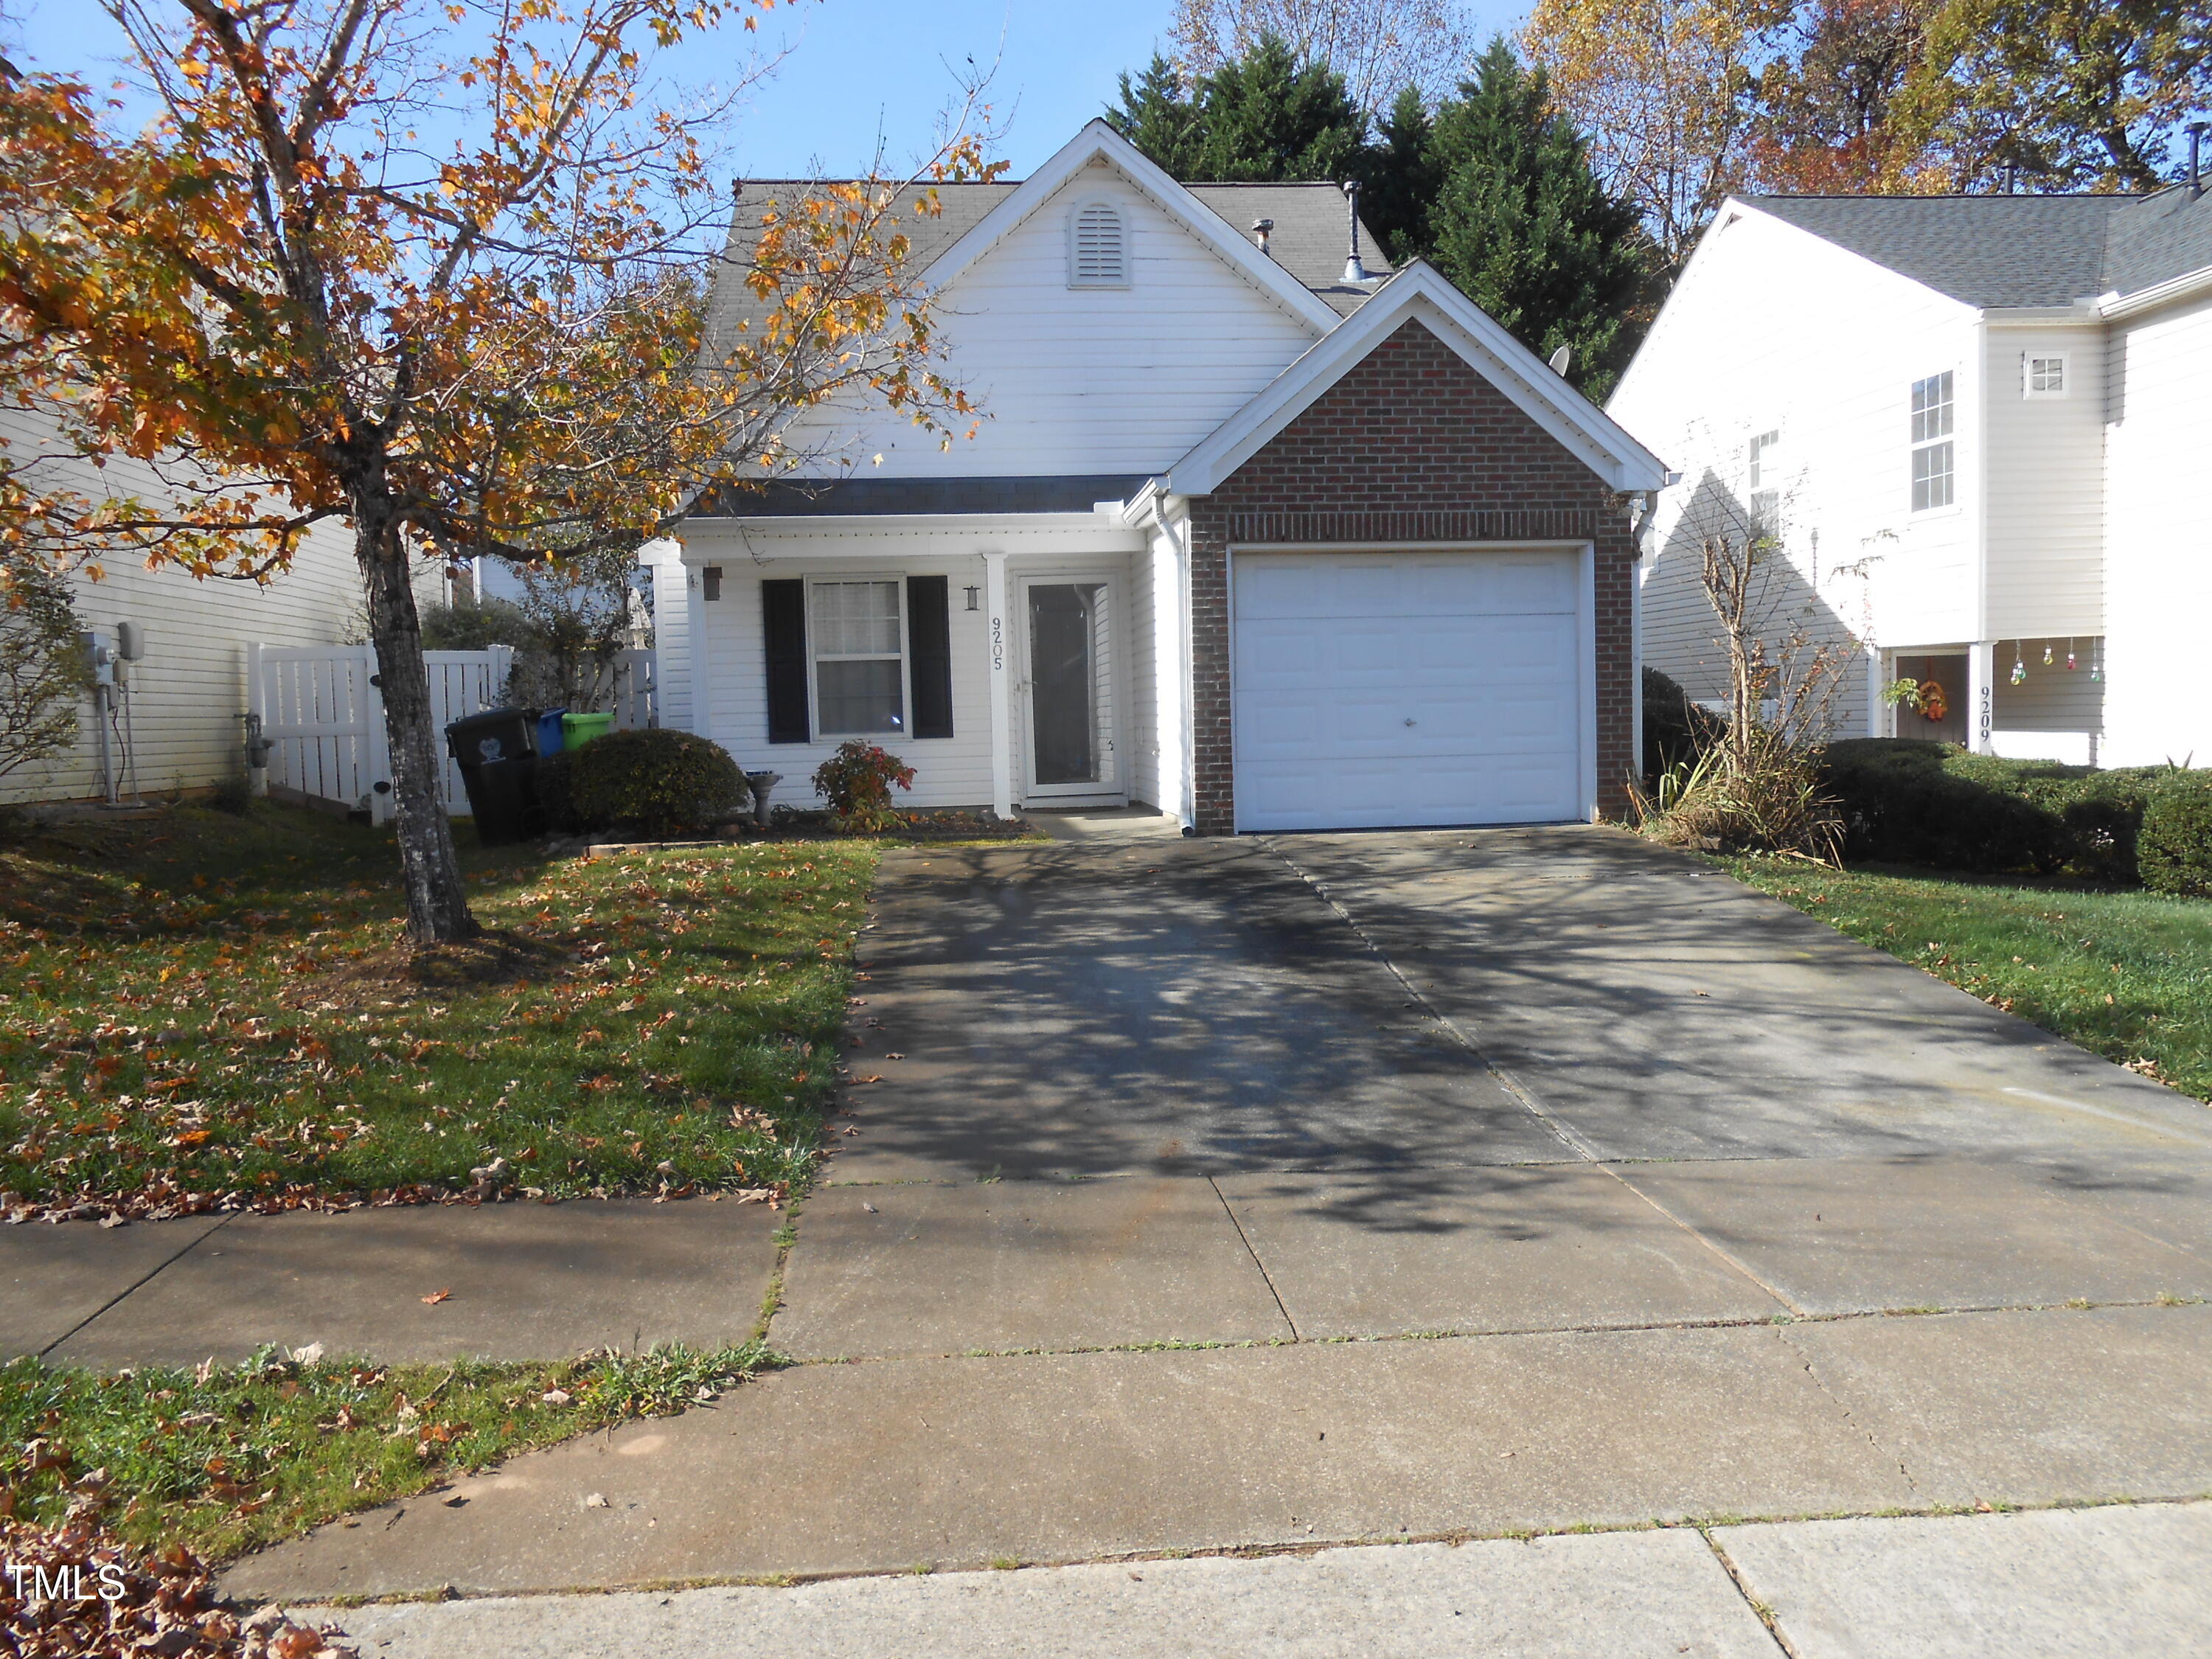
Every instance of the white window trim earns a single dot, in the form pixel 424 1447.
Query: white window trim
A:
pixel 815 657
pixel 1948 440
pixel 2028 361
pixel 1121 224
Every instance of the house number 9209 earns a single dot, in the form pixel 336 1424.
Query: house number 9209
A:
pixel 998 646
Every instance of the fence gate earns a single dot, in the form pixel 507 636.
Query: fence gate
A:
pixel 322 712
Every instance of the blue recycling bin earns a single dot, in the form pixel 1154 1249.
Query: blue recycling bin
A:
pixel 548 732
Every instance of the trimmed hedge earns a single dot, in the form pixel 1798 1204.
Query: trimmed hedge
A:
pixel 1910 802
pixel 1674 728
pixel 661 781
pixel 2174 852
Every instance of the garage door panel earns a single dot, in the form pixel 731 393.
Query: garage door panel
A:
pixel 1335 654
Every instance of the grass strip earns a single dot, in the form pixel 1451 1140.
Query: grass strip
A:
pixel 224 1458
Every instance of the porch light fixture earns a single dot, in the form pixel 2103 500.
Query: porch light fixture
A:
pixel 971 592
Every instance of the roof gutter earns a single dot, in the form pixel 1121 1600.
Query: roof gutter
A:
pixel 2187 286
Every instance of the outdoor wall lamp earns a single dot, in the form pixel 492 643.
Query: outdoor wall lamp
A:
pixel 971 592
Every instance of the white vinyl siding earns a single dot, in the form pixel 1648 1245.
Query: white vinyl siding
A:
pixel 1773 330
pixel 1084 380
pixel 2045 507
pixel 2158 601
pixel 189 692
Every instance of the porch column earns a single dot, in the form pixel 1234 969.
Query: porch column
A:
pixel 1981 695
pixel 1002 701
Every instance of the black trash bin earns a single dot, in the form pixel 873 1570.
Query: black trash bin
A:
pixel 497 753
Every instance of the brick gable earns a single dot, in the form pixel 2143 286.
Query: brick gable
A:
pixel 1411 445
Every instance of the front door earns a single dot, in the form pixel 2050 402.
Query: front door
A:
pixel 1070 706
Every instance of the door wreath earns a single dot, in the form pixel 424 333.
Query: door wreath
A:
pixel 1933 705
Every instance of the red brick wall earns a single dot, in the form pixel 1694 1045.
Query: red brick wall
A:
pixel 1411 445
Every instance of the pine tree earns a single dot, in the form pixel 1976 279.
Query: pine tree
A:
pixel 1522 226
pixel 1256 118
pixel 1400 178
pixel 1161 117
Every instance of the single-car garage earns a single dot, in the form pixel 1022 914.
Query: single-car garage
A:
pixel 1405 687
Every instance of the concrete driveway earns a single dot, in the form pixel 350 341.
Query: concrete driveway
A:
pixel 1311 1002
pixel 1324 1189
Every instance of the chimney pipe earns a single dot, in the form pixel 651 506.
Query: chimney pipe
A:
pixel 2196 130
pixel 1259 229
pixel 1354 270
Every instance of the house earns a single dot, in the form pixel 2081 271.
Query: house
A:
pixel 1247 535
pixel 1971 426
pixel 177 726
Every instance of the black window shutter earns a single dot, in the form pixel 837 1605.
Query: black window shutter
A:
pixel 783 624
pixel 929 639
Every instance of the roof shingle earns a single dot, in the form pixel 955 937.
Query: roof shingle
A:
pixel 2015 251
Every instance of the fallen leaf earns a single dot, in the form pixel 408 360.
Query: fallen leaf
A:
pixel 556 1396
pixel 436 1296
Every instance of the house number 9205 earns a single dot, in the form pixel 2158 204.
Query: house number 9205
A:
pixel 998 646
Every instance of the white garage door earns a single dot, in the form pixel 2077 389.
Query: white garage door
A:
pixel 1383 690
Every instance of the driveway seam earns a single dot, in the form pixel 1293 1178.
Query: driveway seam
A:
pixel 1567 1136
pixel 1759 1610
pixel 139 1284
pixel 1511 1085
pixel 1229 1211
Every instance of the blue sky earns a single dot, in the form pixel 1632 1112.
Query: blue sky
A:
pixel 853 66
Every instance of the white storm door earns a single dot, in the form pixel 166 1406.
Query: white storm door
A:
pixel 1070 721
pixel 1404 689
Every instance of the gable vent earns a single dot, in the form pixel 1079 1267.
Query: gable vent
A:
pixel 1098 252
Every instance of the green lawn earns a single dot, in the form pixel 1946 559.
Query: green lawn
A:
pixel 223 1459
pixel 2126 975
pixel 201 1009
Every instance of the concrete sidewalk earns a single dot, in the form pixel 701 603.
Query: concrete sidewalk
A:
pixel 2097 1583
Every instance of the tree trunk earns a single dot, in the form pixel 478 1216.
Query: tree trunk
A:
pixel 437 903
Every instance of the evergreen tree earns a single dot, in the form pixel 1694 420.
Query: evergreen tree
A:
pixel 1256 119
pixel 1400 178
pixel 1161 117
pixel 1524 226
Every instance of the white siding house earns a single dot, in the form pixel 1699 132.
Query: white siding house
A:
pixel 1038 616
pixel 1974 418
pixel 189 692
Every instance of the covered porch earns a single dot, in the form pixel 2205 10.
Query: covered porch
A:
pixel 1015 660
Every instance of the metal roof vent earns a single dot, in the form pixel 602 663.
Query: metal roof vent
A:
pixel 1354 269
pixel 1259 229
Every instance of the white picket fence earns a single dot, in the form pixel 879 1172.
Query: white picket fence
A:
pixel 324 716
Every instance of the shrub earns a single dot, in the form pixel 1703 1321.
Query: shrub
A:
pixel 556 793
pixel 2174 851
pixel 1910 802
pixel 857 783
pixel 1771 799
pixel 661 781
pixel 1676 730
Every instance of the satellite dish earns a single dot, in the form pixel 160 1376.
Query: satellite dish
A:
pixel 1561 358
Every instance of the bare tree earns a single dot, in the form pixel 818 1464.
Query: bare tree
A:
pixel 1378 46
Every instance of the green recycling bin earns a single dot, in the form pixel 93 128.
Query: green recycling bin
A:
pixel 577 730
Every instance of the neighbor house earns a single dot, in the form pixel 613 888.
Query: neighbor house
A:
pixel 1247 535
pixel 1971 427
pixel 179 726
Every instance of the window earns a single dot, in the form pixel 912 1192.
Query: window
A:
pixel 1097 249
pixel 860 658
pixel 2044 376
pixel 1931 442
pixel 1762 471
